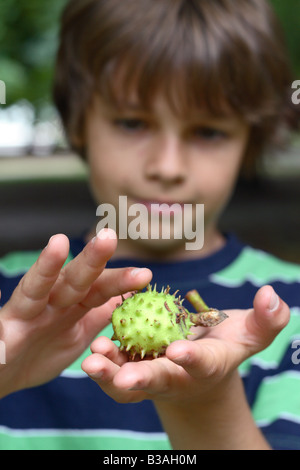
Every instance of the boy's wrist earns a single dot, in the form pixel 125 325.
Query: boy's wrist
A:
pixel 218 420
pixel 206 397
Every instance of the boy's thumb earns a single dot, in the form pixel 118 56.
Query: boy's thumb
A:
pixel 270 314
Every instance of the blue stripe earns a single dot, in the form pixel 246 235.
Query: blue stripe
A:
pixel 282 435
pixel 74 404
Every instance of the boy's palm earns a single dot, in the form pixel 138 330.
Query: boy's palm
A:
pixel 206 360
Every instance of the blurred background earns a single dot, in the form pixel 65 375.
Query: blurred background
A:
pixel 43 186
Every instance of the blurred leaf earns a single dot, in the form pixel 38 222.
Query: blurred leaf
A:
pixel 28 42
pixel 15 76
pixel 289 15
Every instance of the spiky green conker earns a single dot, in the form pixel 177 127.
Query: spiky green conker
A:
pixel 147 322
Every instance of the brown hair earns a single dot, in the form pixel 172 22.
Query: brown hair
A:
pixel 221 55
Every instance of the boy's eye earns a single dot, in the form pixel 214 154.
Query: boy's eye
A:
pixel 130 124
pixel 209 133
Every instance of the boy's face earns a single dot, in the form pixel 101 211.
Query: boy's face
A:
pixel 155 157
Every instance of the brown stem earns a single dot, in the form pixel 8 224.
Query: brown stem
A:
pixel 205 316
pixel 196 301
pixel 210 318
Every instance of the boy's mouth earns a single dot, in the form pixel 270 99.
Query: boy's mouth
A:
pixel 163 207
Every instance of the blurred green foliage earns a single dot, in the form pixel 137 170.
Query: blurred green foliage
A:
pixel 28 41
pixel 289 14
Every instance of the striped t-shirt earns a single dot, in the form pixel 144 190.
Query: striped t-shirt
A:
pixel 71 411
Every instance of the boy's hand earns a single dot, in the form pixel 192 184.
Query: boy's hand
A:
pixel 191 371
pixel 56 311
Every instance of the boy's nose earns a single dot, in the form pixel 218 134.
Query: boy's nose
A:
pixel 166 161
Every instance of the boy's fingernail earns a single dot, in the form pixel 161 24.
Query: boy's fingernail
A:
pixel 49 241
pixel 273 302
pixel 107 233
pixel 136 271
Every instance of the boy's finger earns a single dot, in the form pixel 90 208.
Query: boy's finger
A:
pixel 114 282
pixel 103 371
pixel 198 358
pixel 105 295
pixel 31 294
pixel 152 377
pixel 78 275
pixel 98 367
pixel 268 317
pixel 104 346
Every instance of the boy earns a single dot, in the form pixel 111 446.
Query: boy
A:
pixel 167 101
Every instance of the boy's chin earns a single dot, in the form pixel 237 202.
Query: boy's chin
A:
pixel 161 249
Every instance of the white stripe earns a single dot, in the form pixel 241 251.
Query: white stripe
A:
pixel 73 374
pixel 257 361
pixel 286 416
pixel 264 365
pixel 117 433
pixel 292 374
pixel 295 311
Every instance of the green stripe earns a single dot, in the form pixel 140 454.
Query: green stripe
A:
pixel 271 357
pixel 258 268
pixel 17 263
pixel 52 440
pixel 278 397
